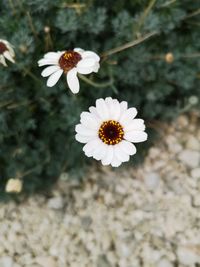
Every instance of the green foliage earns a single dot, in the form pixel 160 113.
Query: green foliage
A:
pixel 37 123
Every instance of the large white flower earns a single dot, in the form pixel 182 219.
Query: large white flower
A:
pixel 6 52
pixel 108 131
pixel 70 63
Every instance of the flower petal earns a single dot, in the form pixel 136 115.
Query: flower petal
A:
pixel 89 120
pixel 136 124
pixel 102 108
pixel 49 70
pixel 114 109
pixel 123 106
pixel 87 62
pixel 128 115
pixel 85 131
pixel 100 151
pixel 128 147
pixel 85 70
pixel 120 154
pixel 93 111
pixel 90 147
pixel 2 60
pixel 108 156
pixel 82 139
pixel 135 136
pixel 90 54
pixel 115 162
pixel 96 67
pixel 53 55
pixel 43 62
pixel 52 80
pixel 8 56
pixel 73 81
pixel 78 50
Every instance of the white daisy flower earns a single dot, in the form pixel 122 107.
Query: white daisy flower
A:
pixel 70 63
pixel 109 131
pixel 6 52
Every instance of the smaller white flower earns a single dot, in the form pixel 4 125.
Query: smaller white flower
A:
pixel 70 63
pixel 6 52
pixel 109 131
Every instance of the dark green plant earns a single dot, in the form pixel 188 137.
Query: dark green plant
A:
pixel 158 76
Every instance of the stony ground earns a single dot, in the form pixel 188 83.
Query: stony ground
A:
pixel 148 216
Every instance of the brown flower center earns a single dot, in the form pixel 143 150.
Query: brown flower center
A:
pixel 3 48
pixel 111 132
pixel 69 60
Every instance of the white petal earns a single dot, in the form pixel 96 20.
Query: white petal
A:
pixel 108 156
pixel 102 108
pixel 73 81
pixel 108 100
pixel 115 162
pixel 43 62
pixel 123 106
pixel 135 136
pixel 82 139
pixel 100 151
pixel 120 154
pixel 128 115
pixel 52 80
pixel 113 107
pixel 128 147
pixel 2 60
pixel 8 56
pixel 136 124
pixel 49 70
pixel 110 105
pixel 93 111
pixel 96 67
pixel 85 70
pixel 89 120
pixel 53 55
pixel 90 147
pixel 78 50
pixel 85 131
pixel 87 62
pixel 90 54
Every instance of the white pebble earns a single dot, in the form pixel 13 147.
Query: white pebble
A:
pixel 6 261
pixel 188 256
pixel 195 173
pixel 55 203
pixel 190 158
pixel 164 263
pixel 152 180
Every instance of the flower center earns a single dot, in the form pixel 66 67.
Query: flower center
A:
pixel 3 48
pixel 69 60
pixel 111 132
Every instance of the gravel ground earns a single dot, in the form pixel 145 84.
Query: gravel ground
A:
pixel 146 216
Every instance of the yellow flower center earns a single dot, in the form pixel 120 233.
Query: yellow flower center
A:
pixel 111 132
pixel 69 60
pixel 3 48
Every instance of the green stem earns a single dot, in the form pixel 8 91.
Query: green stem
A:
pixel 128 45
pixel 28 72
pixel 95 84
pixel 145 14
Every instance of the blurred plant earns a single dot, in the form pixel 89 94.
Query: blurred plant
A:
pixel 149 57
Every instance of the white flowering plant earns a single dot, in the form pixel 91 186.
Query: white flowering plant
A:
pixel 116 58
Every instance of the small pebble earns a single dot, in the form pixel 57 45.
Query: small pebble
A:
pixel 190 158
pixel 55 203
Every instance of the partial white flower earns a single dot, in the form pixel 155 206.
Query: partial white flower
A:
pixel 70 63
pixel 6 52
pixel 109 130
